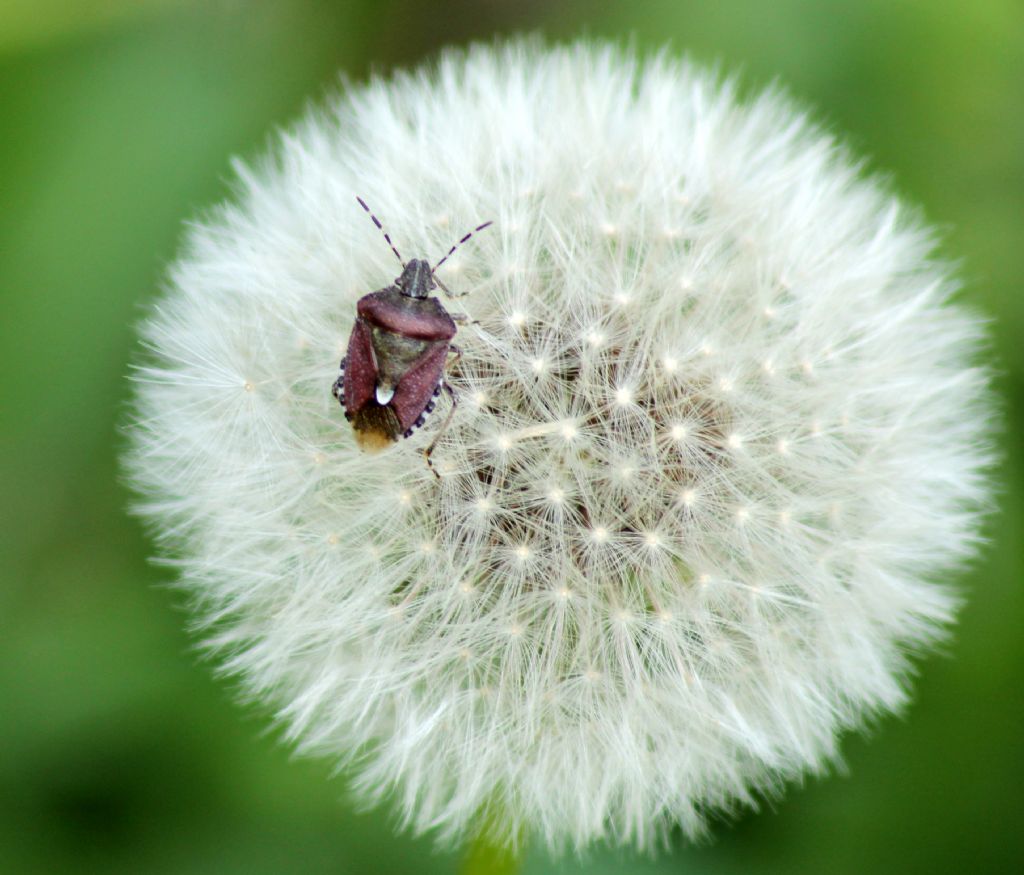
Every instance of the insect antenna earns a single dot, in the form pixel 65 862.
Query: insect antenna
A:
pixel 380 227
pixel 463 240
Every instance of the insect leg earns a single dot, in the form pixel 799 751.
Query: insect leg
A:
pixel 444 426
pixel 461 318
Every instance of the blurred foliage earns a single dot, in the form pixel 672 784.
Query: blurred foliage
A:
pixel 120 752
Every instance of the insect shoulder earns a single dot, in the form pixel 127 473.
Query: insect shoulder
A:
pixel 420 318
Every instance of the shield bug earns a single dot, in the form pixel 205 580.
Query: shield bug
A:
pixel 394 369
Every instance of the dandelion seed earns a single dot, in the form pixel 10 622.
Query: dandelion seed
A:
pixel 624 473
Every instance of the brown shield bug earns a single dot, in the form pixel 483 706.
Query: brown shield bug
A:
pixel 394 368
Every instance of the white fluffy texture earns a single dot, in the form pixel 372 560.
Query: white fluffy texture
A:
pixel 719 443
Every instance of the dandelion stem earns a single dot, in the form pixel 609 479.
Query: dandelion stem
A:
pixel 489 853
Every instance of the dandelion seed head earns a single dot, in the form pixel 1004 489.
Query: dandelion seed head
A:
pixel 702 493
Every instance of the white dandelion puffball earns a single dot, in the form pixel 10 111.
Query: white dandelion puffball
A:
pixel 720 441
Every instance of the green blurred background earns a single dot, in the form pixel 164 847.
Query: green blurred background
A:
pixel 118 750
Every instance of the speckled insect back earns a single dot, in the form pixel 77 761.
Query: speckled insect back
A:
pixel 394 369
